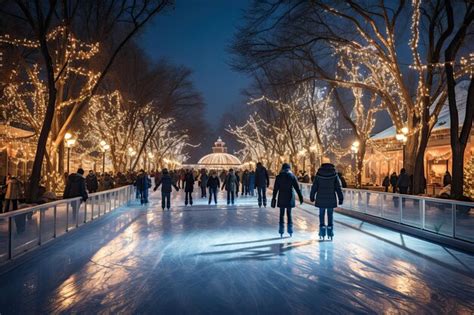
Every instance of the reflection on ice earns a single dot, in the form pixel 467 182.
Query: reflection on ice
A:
pixel 230 260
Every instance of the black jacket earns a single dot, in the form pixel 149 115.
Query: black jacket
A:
pixel 393 180
pixel 285 182
pixel 75 187
pixel 403 180
pixel 166 184
pixel 325 186
pixel 213 182
pixel 142 182
pixel 231 182
pixel 189 182
pixel 261 177
pixel 92 182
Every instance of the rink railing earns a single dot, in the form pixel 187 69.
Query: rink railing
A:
pixel 450 218
pixel 28 228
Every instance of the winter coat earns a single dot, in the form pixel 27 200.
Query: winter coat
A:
pixel 13 189
pixel 213 182
pixel 231 183
pixel 252 180
pixel 447 180
pixel 108 183
pixel 92 183
pixel 403 180
pixel 261 177
pixel 285 182
pixel 245 178
pixel 386 182
pixel 325 186
pixel 203 180
pixel 189 182
pixel 393 180
pixel 75 187
pixel 166 183
pixel 142 182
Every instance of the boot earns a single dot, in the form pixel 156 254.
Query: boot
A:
pixel 281 230
pixel 330 232
pixel 290 229
pixel 322 232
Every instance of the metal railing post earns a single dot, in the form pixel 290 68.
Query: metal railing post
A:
pixel 10 240
pixel 54 221
pixel 78 203
pixel 400 199
pixel 67 216
pixel 423 213
pixel 40 227
pixel 453 215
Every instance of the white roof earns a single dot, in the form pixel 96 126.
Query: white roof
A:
pixel 444 121
pixel 219 159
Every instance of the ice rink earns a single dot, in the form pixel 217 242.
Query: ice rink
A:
pixel 230 259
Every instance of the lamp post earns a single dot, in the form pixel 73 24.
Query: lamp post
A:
pixel 150 157
pixel 355 157
pixel 104 147
pixel 70 142
pixel 402 137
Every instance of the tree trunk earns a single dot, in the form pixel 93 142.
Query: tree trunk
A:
pixel 360 163
pixel 457 182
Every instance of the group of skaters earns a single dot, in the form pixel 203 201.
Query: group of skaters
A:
pixel 209 184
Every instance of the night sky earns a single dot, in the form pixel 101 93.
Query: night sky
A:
pixel 197 34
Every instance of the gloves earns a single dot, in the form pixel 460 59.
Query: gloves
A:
pixel 312 199
pixel 341 201
pixel 301 201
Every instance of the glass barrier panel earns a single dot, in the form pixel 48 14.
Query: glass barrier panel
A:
pixel 24 232
pixel 359 201
pixel 61 218
pixel 74 207
pixel 82 214
pixel 4 239
pixel 464 222
pixel 95 207
pixel 47 224
pixel 439 217
pixel 411 214
pixel 390 209
pixel 373 204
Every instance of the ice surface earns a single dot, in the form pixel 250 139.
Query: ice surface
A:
pixel 223 260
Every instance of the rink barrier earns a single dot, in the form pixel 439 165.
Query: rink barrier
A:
pixel 443 217
pixel 29 228
pixel 450 222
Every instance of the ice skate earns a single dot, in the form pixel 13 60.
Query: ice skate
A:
pixel 281 230
pixel 330 232
pixel 322 232
pixel 290 229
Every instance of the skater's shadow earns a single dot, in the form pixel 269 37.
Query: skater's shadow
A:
pixel 248 242
pixel 258 252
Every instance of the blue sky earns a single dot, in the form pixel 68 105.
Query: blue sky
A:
pixel 196 33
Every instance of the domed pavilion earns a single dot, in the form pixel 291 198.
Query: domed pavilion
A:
pixel 219 158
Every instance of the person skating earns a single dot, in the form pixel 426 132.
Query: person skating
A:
pixel 76 187
pixel 386 183
pixel 143 184
pixel 262 181
pixel 285 185
pixel 231 185
pixel 166 183
pixel 326 186
pixel 245 183
pixel 237 176
pixel 92 183
pixel 203 182
pixel 251 184
pixel 213 183
pixel 394 181
pixel 188 187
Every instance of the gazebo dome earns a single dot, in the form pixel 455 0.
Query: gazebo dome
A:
pixel 219 158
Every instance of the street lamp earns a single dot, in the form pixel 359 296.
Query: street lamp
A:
pixel 70 142
pixel 402 137
pixel 104 147
pixel 150 157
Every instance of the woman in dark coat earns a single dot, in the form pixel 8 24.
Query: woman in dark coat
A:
pixel 188 187
pixel 325 186
pixel 285 182
pixel 213 183
pixel 231 185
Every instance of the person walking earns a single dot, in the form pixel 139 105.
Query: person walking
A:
pixel 188 187
pixel 285 185
pixel 325 187
pixel 394 181
pixel 386 183
pixel 143 183
pixel 231 185
pixel 166 182
pixel 12 193
pixel 342 179
pixel 213 183
pixel 203 182
pixel 245 183
pixel 447 179
pixel 262 181
pixel 76 187
pixel 251 185
pixel 237 188
pixel 403 182
pixel 108 182
pixel 92 183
